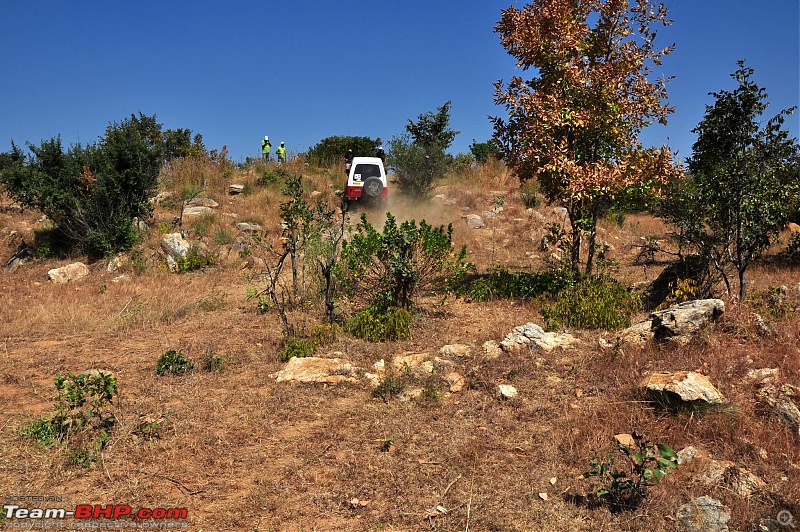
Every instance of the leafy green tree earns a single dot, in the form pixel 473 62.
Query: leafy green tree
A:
pixel 742 186
pixel 92 193
pixel 419 157
pixel 331 150
pixel 179 143
pixel 575 125
pixel 432 130
pixel 483 151
pixel 416 169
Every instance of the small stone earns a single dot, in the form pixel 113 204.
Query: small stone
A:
pixel 543 496
pixel 507 391
pixel 625 440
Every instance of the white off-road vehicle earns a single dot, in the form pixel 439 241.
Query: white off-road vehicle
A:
pixel 366 180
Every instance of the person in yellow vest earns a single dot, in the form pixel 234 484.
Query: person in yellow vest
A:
pixel 280 151
pixel 266 145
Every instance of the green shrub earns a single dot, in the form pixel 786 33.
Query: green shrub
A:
pixel 272 176
pixel 224 236
pixel 203 224
pixel 332 150
pixel 502 284
pixel 483 151
pixel 212 362
pixel 82 415
pixel 196 259
pixel 775 302
pixel 593 303
pixel 298 347
pixel 304 346
pixel 529 194
pixel 390 268
pixel 790 255
pixel 92 192
pixel 390 386
pixel 645 464
pixel 173 362
pixel 377 325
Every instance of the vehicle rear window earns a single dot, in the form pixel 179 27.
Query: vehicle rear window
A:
pixel 367 171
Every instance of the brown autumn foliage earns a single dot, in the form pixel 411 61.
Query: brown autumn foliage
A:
pixel 574 126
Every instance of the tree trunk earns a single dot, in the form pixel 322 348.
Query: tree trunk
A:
pixel 592 240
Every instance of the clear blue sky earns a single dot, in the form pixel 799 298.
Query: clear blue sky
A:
pixel 302 70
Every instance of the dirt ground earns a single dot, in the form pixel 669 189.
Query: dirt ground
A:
pixel 240 451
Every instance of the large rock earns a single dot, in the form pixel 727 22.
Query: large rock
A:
pixel 70 272
pixel 533 336
pixel 681 389
pixel 317 370
pixel 474 221
pixel 778 400
pixel 725 473
pixel 702 514
pixel 248 228
pixel 174 245
pixel 198 211
pixel 202 202
pixel 676 324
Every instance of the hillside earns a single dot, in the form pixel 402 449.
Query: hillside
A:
pixel 241 451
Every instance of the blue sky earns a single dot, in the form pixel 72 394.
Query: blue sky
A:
pixel 300 71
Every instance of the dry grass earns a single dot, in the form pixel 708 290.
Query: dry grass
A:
pixel 243 452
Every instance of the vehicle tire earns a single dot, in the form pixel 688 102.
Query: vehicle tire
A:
pixel 373 187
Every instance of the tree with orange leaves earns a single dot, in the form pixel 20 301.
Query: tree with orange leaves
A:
pixel 574 127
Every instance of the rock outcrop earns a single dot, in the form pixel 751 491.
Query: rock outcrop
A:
pixel 68 273
pixel 681 389
pixel 533 336
pixel 677 324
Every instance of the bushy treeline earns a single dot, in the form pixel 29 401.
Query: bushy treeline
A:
pixel 93 192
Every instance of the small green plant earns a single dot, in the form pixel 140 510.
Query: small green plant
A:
pixel 203 224
pixel 298 347
pixel 377 325
pixel 594 303
pixel 385 444
pixel 263 303
pixel 682 290
pixel 196 259
pixel 212 362
pixel 271 176
pixel 138 261
pixel 775 302
pixel 149 427
pixel 82 415
pixel 529 194
pixel 223 236
pixel 645 464
pixel 791 255
pixel 304 346
pixel 173 362
pixel 390 386
pixel 82 457
pixel 164 227
pixel 42 430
